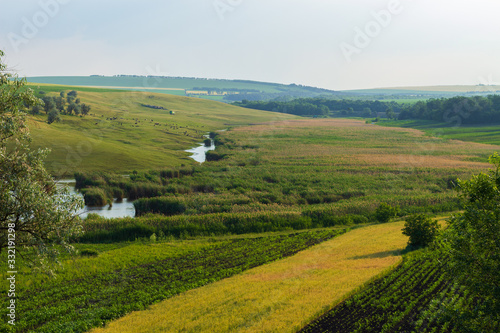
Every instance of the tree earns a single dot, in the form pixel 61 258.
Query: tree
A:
pixel 385 212
pixel 367 112
pixel 71 108
pixel 390 113
pixel 48 104
pixel 421 229
pixel 35 110
pixel 85 109
pixel 53 116
pixel 34 213
pixel 474 248
pixel 60 102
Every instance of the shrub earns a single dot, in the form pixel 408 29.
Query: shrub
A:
pixel 160 205
pixel 421 229
pixel 94 196
pixel 214 156
pixel 385 212
pixel 89 253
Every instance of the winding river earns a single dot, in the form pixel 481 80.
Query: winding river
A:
pixel 125 208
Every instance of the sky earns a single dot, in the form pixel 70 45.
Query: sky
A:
pixel 332 44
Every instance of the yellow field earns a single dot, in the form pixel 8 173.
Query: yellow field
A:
pixel 279 297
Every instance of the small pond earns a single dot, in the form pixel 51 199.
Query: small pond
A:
pixel 122 208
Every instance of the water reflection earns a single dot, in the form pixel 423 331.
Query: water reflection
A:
pixel 122 208
pixel 199 153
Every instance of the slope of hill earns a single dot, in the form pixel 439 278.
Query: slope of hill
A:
pixel 121 134
pixel 227 90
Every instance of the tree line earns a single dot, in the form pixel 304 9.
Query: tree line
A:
pixel 323 106
pixel 54 106
pixel 460 110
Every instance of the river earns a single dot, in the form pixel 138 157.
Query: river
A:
pixel 125 208
pixel 199 153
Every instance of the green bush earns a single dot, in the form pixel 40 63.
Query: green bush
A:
pixel 385 212
pixel 89 253
pixel 161 205
pixel 94 196
pixel 421 229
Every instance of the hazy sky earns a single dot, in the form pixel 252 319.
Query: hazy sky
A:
pixel 335 44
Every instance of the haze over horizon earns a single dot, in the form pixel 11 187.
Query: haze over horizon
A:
pixel 336 45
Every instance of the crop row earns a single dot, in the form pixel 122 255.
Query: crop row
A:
pixel 394 303
pixel 80 304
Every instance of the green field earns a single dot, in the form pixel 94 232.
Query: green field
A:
pixel 240 89
pixel 295 174
pixel 487 134
pixel 275 186
pixel 120 135
pixel 93 290
pixel 153 82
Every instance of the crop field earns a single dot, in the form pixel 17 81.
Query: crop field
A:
pixel 120 135
pixel 156 83
pixel 399 302
pixel 282 296
pixel 76 304
pixel 486 134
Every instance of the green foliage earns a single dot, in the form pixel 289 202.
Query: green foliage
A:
pixel 421 229
pixel 385 212
pixel 73 93
pixel 404 300
pixel 89 253
pixel 101 230
pixel 94 196
pixel 79 304
pixel 32 209
pixel 53 116
pixel 390 113
pixel 323 106
pixel 456 110
pixel 161 205
pixel 475 248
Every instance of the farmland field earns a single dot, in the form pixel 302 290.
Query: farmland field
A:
pixel 281 296
pixel 94 290
pixel 487 134
pixel 398 302
pixel 151 83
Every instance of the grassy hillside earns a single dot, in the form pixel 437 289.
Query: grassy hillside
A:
pixel 120 135
pixel 214 89
pixel 154 82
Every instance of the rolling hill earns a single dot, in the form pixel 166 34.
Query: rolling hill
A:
pixel 123 132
